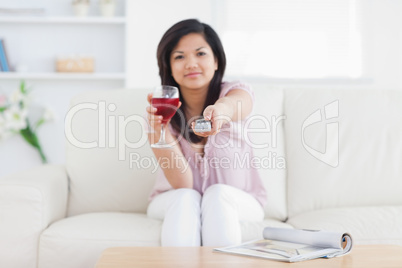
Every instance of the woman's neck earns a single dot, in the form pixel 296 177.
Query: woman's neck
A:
pixel 195 100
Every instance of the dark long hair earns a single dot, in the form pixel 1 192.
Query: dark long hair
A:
pixel 168 42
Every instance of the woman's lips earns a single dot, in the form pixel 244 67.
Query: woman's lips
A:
pixel 194 74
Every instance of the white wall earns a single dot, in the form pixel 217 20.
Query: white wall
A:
pixel 381 30
pixel 382 43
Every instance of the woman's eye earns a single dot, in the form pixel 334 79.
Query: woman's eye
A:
pixel 178 57
pixel 201 53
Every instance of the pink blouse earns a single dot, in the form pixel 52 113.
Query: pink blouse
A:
pixel 226 159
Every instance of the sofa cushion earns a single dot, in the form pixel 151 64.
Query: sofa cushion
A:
pixel 367 225
pixel 29 202
pixel 108 158
pixel 265 133
pixel 78 241
pixel 343 148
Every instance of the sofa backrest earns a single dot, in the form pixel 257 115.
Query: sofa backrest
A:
pixel 100 181
pixel 105 173
pixel 343 148
pixel 265 131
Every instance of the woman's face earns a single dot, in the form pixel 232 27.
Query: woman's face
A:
pixel 192 62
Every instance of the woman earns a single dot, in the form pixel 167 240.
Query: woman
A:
pixel 206 187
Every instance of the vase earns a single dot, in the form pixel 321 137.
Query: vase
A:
pixel 81 9
pixel 107 9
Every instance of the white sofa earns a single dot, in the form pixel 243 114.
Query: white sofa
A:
pixel 330 159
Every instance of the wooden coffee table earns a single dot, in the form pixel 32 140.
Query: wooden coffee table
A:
pixel 364 256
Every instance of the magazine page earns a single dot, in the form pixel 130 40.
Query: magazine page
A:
pixel 317 238
pixel 278 250
pixel 292 245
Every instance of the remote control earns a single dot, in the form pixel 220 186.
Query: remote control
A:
pixel 202 125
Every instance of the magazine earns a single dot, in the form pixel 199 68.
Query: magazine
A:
pixel 293 245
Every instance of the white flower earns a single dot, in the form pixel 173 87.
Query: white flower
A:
pixel 15 118
pixel 16 97
pixel 4 133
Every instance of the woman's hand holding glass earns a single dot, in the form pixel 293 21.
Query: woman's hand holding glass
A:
pixel 164 102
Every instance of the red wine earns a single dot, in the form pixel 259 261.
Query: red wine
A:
pixel 165 107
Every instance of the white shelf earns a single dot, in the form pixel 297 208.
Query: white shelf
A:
pixel 62 76
pixel 64 19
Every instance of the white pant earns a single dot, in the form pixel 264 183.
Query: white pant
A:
pixel 214 218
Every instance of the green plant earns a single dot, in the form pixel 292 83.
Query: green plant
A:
pixel 15 119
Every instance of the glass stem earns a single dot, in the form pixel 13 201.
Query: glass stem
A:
pixel 162 138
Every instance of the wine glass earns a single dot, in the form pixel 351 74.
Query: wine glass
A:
pixel 166 100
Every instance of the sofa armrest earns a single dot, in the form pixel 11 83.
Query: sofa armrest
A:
pixel 29 202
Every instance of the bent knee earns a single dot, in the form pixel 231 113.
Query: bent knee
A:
pixel 219 189
pixel 218 192
pixel 186 195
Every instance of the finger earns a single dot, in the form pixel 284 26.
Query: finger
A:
pixel 215 128
pixel 179 105
pixel 208 112
pixel 206 134
pixel 151 110
pixel 154 118
pixel 201 134
pixel 149 98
